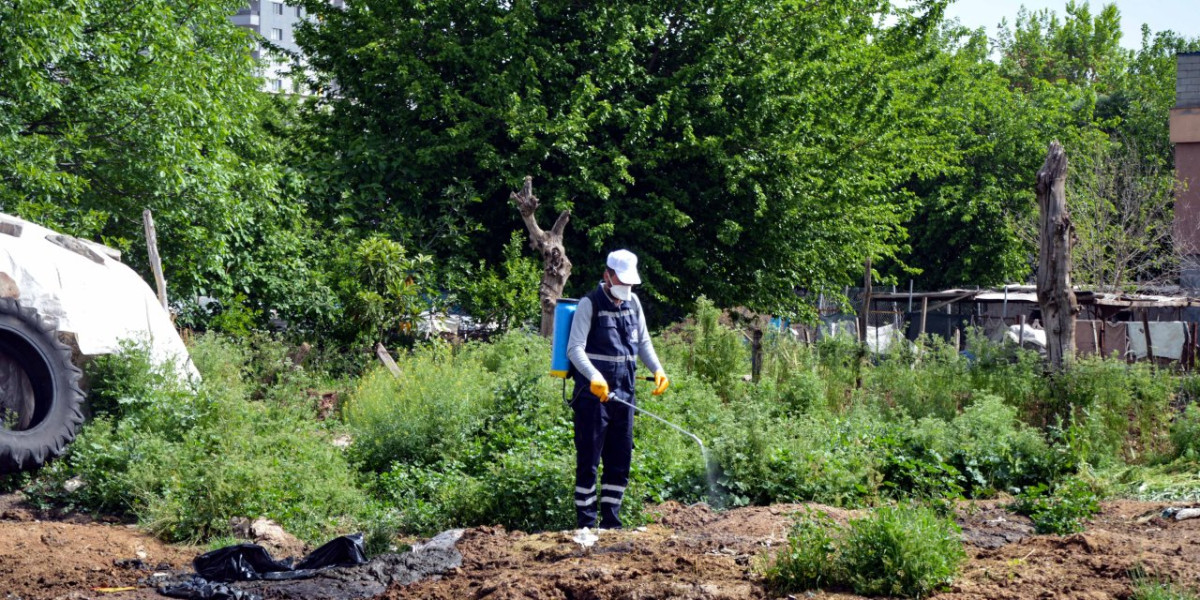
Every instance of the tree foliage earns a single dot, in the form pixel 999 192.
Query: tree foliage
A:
pixel 108 108
pixel 742 148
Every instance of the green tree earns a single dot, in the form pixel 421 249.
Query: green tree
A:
pixel 110 107
pixel 742 148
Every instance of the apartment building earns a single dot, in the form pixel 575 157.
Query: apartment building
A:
pixel 1185 134
pixel 275 21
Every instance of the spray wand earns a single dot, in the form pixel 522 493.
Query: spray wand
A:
pixel 612 396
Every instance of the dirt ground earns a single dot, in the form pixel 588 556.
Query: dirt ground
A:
pixel 690 552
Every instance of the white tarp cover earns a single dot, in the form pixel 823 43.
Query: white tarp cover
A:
pixel 101 303
pixel 1166 337
pixel 1027 336
pixel 879 339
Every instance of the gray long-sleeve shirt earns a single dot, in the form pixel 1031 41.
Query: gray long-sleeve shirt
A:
pixel 582 325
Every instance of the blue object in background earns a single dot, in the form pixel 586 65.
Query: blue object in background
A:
pixel 564 313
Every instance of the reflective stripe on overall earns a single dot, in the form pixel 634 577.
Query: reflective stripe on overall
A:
pixel 604 432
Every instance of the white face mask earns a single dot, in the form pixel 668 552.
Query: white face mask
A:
pixel 620 292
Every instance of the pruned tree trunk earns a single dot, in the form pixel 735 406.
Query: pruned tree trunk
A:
pixel 1056 235
pixel 555 266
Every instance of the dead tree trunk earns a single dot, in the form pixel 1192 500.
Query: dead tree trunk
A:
pixel 555 266
pixel 1056 235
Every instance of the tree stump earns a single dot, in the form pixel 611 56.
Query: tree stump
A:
pixel 556 268
pixel 1056 236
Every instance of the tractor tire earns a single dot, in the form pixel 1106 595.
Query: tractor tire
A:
pixel 41 403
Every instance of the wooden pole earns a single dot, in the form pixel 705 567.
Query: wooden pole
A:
pixel 155 260
pixel 1056 235
pixel 385 357
pixel 1146 334
pixel 756 358
pixel 924 310
pixel 864 318
pixel 1021 335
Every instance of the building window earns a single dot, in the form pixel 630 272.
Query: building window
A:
pixel 276 85
pixel 277 8
pixel 276 34
pixel 299 12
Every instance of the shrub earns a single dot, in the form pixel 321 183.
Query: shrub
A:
pixel 1116 410
pixel 901 551
pixel 1059 510
pixel 426 415
pixel 506 296
pixel 809 560
pixel 710 350
pixel 995 451
pixel 896 551
pixel 1185 433
pixel 185 460
pixel 932 381
pixel 429 500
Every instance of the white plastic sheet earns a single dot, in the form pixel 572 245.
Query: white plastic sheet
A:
pixel 102 303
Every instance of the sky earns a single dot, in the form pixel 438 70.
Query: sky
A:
pixel 1180 16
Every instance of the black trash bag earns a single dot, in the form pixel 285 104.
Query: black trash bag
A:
pixel 198 589
pixel 340 552
pixel 243 562
pixel 247 562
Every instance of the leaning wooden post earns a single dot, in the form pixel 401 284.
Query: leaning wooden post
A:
pixel 864 319
pixel 1056 235
pixel 555 266
pixel 155 261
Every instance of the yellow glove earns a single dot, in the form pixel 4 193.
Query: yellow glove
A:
pixel 600 388
pixel 660 382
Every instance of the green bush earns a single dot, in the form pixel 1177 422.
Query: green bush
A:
pixel 901 551
pixel 809 561
pixel 1115 411
pixel 507 295
pixel 1060 509
pixel 1185 433
pixel 426 415
pixel 710 350
pixel 429 500
pixel 930 381
pixel 908 552
pixel 814 457
pixel 186 459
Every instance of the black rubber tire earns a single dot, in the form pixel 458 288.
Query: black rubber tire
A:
pixel 32 343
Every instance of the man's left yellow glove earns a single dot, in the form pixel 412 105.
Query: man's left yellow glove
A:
pixel 660 382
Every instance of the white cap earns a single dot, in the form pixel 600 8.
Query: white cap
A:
pixel 624 263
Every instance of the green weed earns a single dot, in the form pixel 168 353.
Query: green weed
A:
pixel 1059 510
pixel 908 552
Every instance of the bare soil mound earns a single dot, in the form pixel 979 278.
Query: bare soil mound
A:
pixel 691 552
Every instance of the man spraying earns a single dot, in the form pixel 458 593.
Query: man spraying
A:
pixel 608 335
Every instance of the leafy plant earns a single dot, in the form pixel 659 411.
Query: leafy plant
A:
pixel 809 561
pixel 908 552
pixel 901 551
pixel 1060 509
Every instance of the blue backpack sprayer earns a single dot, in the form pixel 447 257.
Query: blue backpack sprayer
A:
pixel 564 314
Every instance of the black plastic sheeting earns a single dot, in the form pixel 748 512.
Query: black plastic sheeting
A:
pixel 199 589
pixel 249 562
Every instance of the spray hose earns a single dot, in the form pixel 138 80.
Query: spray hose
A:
pixel 614 398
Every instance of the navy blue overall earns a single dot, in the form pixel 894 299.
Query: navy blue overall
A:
pixel 605 431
